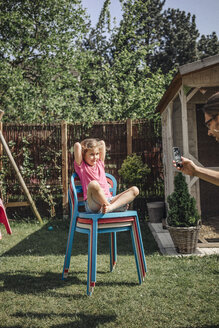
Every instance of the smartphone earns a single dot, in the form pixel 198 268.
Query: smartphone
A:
pixel 177 156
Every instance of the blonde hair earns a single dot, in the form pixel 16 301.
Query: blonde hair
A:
pixel 90 143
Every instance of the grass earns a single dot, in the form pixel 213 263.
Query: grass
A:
pixel 177 292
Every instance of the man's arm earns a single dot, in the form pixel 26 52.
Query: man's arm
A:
pixel 190 168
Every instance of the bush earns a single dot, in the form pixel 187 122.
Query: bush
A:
pixel 134 172
pixel 182 210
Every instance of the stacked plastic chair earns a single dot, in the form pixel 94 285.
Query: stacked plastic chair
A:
pixel 92 224
pixel 4 219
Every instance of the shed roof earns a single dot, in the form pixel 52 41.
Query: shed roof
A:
pixel 184 70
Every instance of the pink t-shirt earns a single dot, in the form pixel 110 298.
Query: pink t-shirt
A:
pixel 88 173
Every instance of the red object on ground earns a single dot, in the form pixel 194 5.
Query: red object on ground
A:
pixel 4 219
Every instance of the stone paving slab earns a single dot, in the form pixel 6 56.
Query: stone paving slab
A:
pixel 166 246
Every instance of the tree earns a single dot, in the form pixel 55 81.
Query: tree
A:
pixel 97 38
pixel 38 41
pixel 179 37
pixel 208 45
pixel 54 66
pixel 115 78
pixel 182 206
pixel 170 36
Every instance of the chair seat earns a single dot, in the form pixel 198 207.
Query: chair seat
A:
pixel 92 224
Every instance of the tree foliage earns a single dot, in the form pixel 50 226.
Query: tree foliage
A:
pixel 54 66
pixel 134 172
pixel 37 46
pixel 182 207
pixel 178 40
pixel 208 45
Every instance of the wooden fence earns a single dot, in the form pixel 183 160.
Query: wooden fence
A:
pixel 50 147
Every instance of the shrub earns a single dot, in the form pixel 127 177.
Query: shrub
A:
pixel 134 172
pixel 182 210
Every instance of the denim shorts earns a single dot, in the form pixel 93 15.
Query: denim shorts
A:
pixel 88 210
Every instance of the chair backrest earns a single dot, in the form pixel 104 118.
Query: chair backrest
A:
pixel 76 192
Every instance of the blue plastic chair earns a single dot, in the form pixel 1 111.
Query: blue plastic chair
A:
pixel 92 224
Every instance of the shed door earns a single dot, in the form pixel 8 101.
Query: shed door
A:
pixel 208 155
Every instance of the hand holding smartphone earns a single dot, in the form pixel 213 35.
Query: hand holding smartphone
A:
pixel 177 157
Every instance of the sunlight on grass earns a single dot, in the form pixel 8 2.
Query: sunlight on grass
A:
pixel 177 292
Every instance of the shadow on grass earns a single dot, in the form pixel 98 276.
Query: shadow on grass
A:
pixel 24 283
pixel 205 326
pixel 77 319
pixel 45 242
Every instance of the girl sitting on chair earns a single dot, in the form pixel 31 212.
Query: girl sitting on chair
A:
pixel 89 165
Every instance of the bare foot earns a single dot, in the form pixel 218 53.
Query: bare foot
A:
pixel 105 208
pixel 108 208
pixel 122 208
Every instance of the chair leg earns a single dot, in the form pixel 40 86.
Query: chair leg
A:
pixel 68 250
pixel 113 251
pixel 138 251
pixel 90 286
pixel 136 255
pixel 141 244
pixel 92 258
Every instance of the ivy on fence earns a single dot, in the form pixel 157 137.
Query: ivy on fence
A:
pixel 38 152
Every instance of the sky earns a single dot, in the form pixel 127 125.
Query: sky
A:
pixel 206 12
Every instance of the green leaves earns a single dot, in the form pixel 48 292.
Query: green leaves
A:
pixel 134 172
pixel 55 67
pixel 182 207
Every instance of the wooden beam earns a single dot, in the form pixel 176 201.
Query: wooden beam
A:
pixel 203 243
pixel 208 245
pixel 185 135
pixel 16 204
pixel 192 93
pixel 167 142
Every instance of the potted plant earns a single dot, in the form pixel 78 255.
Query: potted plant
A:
pixel 183 218
pixel 134 172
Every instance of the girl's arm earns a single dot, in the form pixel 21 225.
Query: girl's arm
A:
pixel 78 153
pixel 102 151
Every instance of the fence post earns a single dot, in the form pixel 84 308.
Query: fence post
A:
pixel 129 136
pixel 64 128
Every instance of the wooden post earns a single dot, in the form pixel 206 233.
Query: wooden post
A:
pixel 64 128
pixel 129 136
pixel 23 185
pixel 185 135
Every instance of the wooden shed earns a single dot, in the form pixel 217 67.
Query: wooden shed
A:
pixel 183 126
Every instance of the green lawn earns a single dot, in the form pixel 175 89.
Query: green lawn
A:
pixel 177 292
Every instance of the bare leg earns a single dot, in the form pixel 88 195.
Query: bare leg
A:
pixel 96 197
pixel 119 200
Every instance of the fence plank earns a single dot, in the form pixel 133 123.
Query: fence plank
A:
pixel 64 168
